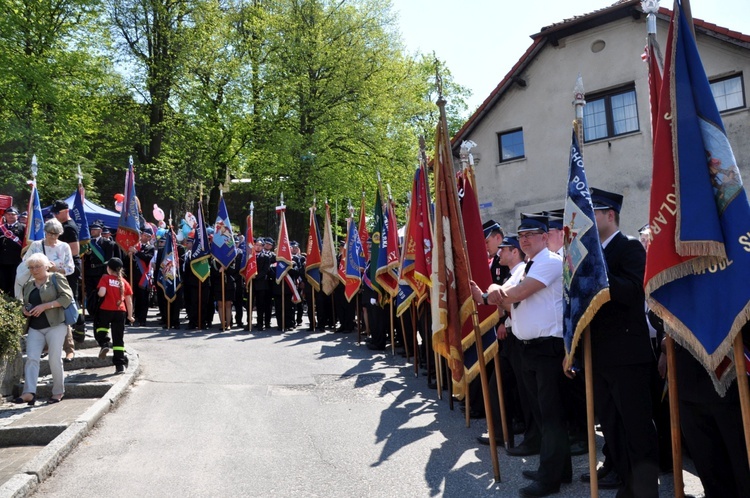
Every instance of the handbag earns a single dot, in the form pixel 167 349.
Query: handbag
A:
pixel 71 311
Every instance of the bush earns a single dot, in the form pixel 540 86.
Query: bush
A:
pixel 12 323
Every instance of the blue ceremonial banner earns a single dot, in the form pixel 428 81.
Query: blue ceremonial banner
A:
pixel 700 216
pixel 585 284
pixel 222 243
pixel 35 222
pixel 169 271
pixel 354 261
pixel 79 216
pixel 128 234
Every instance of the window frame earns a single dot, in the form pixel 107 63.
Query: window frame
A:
pixel 742 89
pixel 506 133
pixel 606 96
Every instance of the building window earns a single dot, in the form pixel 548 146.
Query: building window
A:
pixel 511 145
pixel 609 115
pixel 728 93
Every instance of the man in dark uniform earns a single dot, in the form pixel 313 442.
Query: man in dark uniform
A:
pixel 142 256
pixel 299 260
pixel 622 356
pixel 345 310
pixel 262 286
pixel 282 299
pixel 94 263
pixel 240 294
pixel 712 427
pixel 11 241
pixel 493 237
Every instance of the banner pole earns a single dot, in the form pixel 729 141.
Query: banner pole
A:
pixel 415 347
pixel 501 398
pixel 200 304
pixel 313 321
pixel 222 308
pixel 674 418
pixel 250 307
pixel 742 387
pixel 589 377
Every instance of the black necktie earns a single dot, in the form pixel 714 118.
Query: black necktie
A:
pixel 525 272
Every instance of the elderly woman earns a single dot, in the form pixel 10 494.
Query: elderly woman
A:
pixel 44 297
pixel 61 260
pixel 58 253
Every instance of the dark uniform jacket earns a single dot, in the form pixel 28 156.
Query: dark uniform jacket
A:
pixel 619 332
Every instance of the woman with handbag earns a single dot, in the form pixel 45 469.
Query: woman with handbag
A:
pixel 61 260
pixel 44 297
pixel 116 305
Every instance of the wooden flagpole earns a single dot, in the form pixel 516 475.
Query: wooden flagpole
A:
pixel 403 336
pixel 467 403
pixel 578 103
pixel 200 304
pixel 742 387
pixel 415 347
pixel 359 319
pixel 313 321
pixel 393 336
pixel 501 398
pixel 674 419
pixel 589 377
pixel 249 283
pixel 222 308
pixel 283 306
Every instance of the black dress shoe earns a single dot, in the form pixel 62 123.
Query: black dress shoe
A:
pixel 485 440
pixel 611 481
pixel 522 450
pixel 601 473
pixel 534 476
pixel 539 489
pixel 375 347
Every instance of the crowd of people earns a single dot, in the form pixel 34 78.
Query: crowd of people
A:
pixel 546 404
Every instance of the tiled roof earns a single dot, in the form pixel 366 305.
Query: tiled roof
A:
pixel 541 38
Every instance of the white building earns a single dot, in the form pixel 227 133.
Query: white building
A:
pixel 523 128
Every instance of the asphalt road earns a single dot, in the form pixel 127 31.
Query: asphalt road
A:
pixel 297 414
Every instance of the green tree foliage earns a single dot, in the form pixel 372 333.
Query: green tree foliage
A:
pixel 312 98
pixel 53 74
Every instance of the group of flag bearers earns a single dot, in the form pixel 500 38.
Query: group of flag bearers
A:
pixel 693 275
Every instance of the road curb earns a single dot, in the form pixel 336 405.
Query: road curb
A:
pixel 41 467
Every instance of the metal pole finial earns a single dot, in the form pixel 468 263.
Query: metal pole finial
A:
pixel 578 97
pixel 34 167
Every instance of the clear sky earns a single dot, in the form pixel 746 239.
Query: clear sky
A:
pixel 463 33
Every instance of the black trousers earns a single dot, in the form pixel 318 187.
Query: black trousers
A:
pixel 288 309
pixel 140 303
pixel 115 321
pixel 263 307
pixel 8 277
pixel 512 347
pixel 622 400
pixel 542 375
pixel 240 301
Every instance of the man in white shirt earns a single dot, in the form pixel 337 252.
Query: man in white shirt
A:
pixel 536 312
